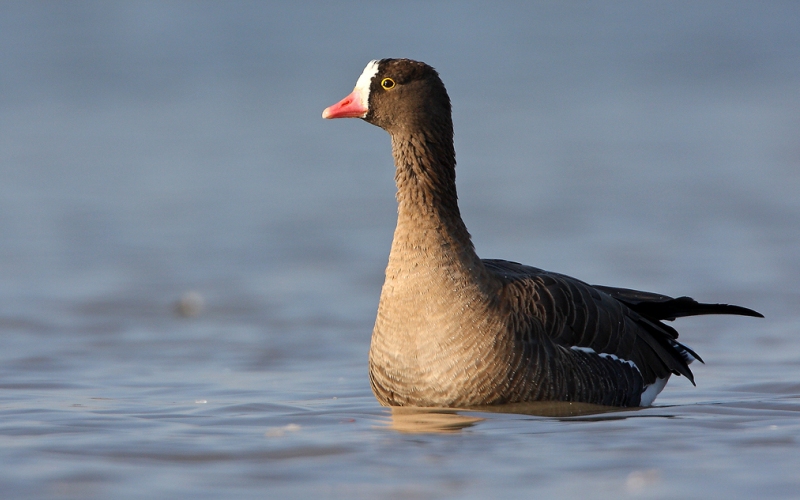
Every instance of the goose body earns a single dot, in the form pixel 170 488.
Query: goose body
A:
pixel 453 330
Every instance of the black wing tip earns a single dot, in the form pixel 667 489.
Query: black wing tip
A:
pixel 684 306
pixel 736 310
pixel 743 311
pixel 662 307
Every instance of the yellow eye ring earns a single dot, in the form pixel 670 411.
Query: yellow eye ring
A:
pixel 387 84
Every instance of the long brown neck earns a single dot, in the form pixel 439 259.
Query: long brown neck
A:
pixel 425 173
pixel 430 234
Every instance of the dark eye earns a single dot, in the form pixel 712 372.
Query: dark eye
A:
pixel 387 83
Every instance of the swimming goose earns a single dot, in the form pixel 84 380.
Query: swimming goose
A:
pixel 453 330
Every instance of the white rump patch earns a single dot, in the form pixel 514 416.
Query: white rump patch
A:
pixel 589 350
pixel 364 81
pixel 653 390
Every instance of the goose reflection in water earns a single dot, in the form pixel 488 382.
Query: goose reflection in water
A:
pixel 416 420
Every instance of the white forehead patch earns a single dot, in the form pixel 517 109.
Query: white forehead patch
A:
pixel 366 76
pixel 364 81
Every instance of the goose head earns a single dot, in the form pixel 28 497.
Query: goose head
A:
pixel 398 95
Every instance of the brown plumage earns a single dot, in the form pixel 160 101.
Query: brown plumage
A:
pixel 454 330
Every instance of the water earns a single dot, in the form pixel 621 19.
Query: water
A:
pixel 155 149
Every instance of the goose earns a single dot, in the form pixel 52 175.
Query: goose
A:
pixel 454 330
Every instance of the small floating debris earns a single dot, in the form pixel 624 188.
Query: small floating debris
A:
pixel 189 305
pixel 641 480
pixel 281 431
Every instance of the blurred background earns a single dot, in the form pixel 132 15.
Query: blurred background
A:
pixel 153 151
pixel 165 145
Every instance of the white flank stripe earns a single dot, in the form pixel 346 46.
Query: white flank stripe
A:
pixel 650 391
pixel 589 350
